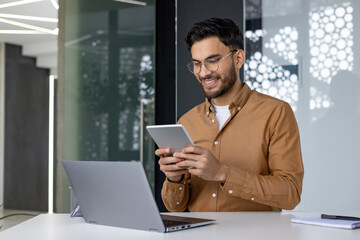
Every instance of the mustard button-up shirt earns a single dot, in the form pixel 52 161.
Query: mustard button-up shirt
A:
pixel 261 145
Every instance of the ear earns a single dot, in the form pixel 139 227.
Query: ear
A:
pixel 239 58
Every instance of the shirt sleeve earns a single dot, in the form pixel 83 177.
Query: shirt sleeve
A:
pixel 176 195
pixel 282 187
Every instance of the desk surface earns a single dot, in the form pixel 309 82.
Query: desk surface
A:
pixel 244 225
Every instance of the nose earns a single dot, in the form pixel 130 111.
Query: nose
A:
pixel 204 71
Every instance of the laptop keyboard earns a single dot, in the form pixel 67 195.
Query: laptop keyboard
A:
pixel 170 223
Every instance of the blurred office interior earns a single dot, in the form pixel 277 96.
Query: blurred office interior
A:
pixel 81 79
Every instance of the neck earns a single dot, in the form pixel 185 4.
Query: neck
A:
pixel 229 96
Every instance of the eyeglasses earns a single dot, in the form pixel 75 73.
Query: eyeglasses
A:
pixel 211 64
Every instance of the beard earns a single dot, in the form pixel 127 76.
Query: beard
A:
pixel 227 82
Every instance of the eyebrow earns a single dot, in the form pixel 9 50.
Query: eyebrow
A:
pixel 211 56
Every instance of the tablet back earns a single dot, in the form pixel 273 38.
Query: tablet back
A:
pixel 173 136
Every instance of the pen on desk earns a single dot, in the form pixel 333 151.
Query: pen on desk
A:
pixel 326 216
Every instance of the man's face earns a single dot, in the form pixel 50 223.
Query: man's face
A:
pixel 214 84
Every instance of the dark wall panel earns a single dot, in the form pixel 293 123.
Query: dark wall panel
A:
pixel 26 132
pixel 165 78
pixel 189 92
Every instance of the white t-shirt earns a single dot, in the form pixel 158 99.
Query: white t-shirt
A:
pixel 222 114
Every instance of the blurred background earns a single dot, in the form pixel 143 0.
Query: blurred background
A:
pixel 80 80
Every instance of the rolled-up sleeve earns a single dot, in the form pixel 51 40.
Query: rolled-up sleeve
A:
pixel 175 195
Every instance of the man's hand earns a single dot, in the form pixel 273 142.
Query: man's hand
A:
pixel 202 163
pixel 168 165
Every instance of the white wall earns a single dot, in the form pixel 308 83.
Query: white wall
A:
pixel 2 111
pixel 327 94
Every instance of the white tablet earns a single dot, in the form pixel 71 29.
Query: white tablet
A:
pixel 173 136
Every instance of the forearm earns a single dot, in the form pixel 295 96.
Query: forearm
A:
pixel 280 189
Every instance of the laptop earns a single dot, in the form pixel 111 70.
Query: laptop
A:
pixel 118 194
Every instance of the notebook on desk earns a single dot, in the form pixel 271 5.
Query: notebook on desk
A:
pixel 319 221
pixel 118 194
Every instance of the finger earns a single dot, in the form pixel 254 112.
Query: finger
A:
pixel 187 164
pixel 187 156
pixel 195 172
pixel 162 152
pixel 193 150
pixel 170 168
pixel 169 160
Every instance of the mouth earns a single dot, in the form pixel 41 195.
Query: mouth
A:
pixel 208 83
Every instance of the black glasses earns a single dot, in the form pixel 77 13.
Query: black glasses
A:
pixel 211 64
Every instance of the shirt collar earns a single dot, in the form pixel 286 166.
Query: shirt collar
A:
pixel 239 101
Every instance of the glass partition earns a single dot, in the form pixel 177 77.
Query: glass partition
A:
pixel 109 83
pixel 303 52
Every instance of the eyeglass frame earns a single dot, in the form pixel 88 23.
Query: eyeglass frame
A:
pixel 204 63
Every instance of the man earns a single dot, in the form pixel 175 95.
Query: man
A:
pixel 247 155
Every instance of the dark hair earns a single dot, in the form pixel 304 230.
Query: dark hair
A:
pixel 225 29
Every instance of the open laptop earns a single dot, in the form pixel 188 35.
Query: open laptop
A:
pixel 118 194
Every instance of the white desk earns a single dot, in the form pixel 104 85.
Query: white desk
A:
pixel 240 225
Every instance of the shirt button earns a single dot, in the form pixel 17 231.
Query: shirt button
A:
pixel 214 194
pixel 212 120
pixel 180 188
pixel 252 199
pixel 230 191
pixel 239 108
pixel 177 203
pixel 216 142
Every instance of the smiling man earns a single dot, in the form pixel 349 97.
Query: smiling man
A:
pixel 247 155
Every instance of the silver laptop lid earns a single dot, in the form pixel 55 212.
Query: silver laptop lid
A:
pixel 115 194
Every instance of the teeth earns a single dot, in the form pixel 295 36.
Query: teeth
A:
pixel 210 81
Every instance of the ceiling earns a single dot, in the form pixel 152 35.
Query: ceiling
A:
pixel 37 35
pixel 38 8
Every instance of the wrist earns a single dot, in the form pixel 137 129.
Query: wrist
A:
pixel 176 179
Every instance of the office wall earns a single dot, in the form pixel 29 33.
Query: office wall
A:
pixel 330 127
pixel 2 92
pixel 165 76
pixel 310 49
pixel 26 132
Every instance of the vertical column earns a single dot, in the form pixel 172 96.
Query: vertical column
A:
pixel 2 119
pixel 165 77
pixel 113 96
